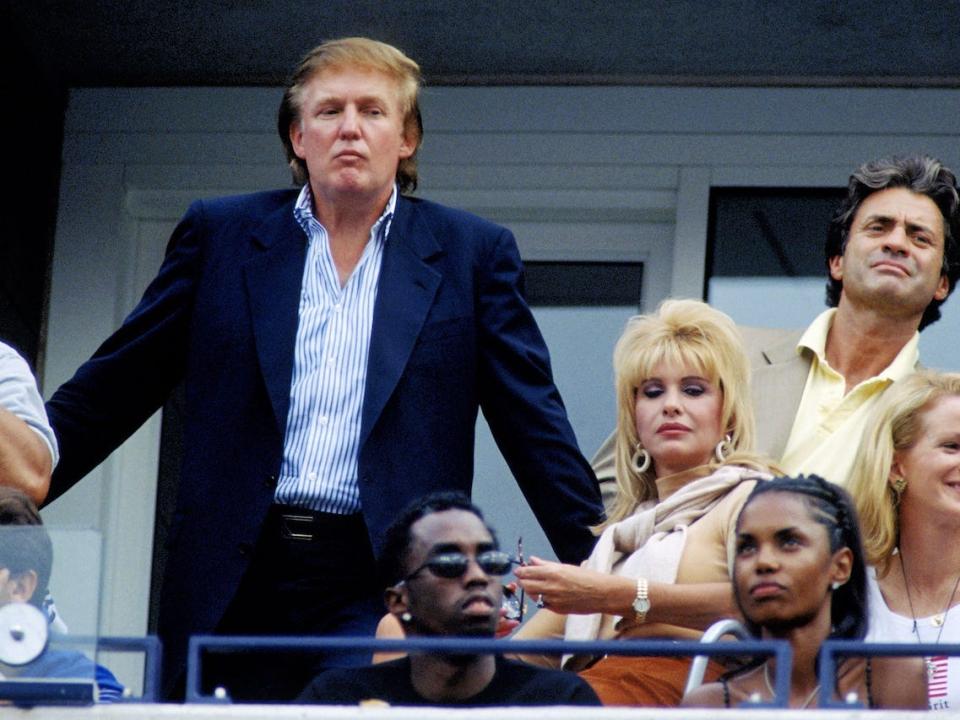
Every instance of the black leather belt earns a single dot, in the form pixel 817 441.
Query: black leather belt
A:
pixel 297 526
pixel 304 525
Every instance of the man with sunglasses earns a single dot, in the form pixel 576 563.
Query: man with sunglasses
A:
pixel 443 570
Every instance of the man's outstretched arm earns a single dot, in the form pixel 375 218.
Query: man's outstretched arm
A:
pixel 27 445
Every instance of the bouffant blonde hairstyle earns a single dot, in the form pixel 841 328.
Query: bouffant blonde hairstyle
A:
pixel 681 333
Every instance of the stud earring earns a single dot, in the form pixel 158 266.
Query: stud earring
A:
pixel 898 485
pixel 406 617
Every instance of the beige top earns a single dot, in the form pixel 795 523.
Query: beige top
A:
pixel 705 558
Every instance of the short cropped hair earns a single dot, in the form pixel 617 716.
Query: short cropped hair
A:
pixel 397 540
pixel 367 54
pixel 27 545
pixel 831 506
pixel 679 333
pixel 894 425
pixel 921 174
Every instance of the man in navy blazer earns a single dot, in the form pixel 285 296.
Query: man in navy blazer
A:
pixel 336 343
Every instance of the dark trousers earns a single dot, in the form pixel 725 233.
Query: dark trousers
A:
pixel 311 574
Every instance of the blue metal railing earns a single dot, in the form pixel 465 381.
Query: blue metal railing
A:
pixel 80 692
pixel 201 644
pixel 152 650
pixel 831 649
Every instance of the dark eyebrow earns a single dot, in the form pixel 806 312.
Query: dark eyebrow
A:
pixel 877 218
pixel 889 220
pixel 787 531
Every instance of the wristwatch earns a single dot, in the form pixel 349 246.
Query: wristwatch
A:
pixel 641 603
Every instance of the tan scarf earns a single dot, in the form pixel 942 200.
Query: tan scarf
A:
pixel 650 542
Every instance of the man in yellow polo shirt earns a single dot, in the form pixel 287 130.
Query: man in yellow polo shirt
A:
pixel 893 258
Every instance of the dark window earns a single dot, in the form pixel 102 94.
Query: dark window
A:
pixel 764 232
pixel 583 284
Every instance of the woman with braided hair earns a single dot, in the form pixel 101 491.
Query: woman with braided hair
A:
pixel 799 575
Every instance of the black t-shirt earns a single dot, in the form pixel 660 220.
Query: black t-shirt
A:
pixel 514 683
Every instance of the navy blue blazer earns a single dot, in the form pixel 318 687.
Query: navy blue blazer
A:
pixel 451 333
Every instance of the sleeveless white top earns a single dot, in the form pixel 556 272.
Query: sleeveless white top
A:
pixel 943 688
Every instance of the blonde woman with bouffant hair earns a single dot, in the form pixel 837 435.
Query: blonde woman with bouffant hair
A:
pixel 660 568
pixel 681 332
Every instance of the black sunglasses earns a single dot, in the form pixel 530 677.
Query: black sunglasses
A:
pixel 454 564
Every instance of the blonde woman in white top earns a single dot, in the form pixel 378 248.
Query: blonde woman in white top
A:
pixel 906 485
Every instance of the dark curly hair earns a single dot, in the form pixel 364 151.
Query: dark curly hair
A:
pixel 921 174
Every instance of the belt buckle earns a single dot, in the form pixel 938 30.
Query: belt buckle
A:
pixel 296 527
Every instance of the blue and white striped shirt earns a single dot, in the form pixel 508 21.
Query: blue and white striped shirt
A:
pixel 319 469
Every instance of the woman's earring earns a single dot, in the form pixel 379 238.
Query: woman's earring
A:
pixel 406 617
pixel 640 460
pixel 898 485
pixel 723 448
pixel 836 585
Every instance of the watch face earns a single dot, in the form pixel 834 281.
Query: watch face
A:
pixel 641 605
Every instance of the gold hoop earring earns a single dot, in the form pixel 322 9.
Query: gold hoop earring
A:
pixel 641 460
pixel 723 448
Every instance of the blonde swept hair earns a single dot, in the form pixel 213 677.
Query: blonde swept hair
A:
pixel 893 426
pixel 366 54
pixel 681 333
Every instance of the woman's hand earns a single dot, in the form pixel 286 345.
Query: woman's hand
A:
pixel 573 589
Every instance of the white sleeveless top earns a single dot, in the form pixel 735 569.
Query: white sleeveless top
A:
pixel 886 626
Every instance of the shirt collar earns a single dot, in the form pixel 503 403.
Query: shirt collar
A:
pixel 814 339
pixel 303 212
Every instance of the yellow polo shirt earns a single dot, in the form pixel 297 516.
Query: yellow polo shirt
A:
pixel 826 431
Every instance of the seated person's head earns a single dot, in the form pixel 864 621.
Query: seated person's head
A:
pixel 442 566
pixel 896 478
pixel 799 560
pixel 26 553
pixel 695 350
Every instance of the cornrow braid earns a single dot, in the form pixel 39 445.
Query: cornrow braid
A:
pixel 831 506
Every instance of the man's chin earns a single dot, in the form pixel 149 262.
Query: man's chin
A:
pixel 477 630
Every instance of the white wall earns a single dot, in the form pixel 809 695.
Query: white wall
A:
pixel 578 173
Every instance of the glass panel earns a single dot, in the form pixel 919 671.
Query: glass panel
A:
pixel 765 262
pixel 48 649
pixel 581 309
